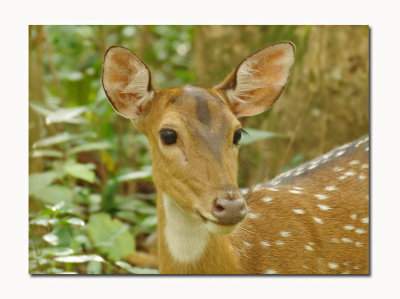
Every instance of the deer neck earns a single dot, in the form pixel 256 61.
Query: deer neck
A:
pixel 186 246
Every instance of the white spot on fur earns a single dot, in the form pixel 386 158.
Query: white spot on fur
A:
pixel 271 271
pixel 364 166
pixel 367 148
pixel 253 215
pixel 333 265
pixel 337 169
pixel 321 196
pixel 318 220
pixel 360 142
pixel 272 189
pixel 347 240
pixel 295 191
pixel 353 216
pixel 348 227
pixel 330 188
pixel 339 153
pixel 324 207
pixel 360 231
pixel 267 199
pixel 354 162
pixel 308 247
pixel 299 171
pixel 247 244
pixel 359 244
pixel 362 177
pixel 286 174
pixel 298 211
pixel 279 242
pixel 349 173
pixel 342 177
pixel 257 187
pixel 275 182
pixel 346 272
pixel 365 220
pixel 265 243
pixel 285 234
pixel 298 188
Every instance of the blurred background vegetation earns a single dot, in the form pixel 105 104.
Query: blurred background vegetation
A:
pixel 91 196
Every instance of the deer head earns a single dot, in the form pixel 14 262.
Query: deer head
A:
pixel 193 131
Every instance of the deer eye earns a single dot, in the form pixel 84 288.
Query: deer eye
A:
pixel 168 136
pixel 237 136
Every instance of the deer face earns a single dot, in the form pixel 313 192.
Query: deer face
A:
pixel 194 139
pixel 194 132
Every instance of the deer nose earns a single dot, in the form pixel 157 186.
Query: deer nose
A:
pixel 229 211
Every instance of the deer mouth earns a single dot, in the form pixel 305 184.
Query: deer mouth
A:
pixel 217 228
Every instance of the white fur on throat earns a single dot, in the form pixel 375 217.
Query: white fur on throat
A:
pixel 186 235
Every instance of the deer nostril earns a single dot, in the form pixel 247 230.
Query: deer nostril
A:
pixel 229 211
pixel 218 207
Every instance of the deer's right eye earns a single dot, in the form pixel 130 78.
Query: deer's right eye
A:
pixel 168 136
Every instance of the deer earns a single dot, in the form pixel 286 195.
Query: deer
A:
pixel 313 219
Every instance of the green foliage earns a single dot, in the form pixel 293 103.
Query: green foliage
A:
pixel 135 270
pixel 110 237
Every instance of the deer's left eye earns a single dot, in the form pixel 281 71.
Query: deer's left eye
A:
pixel 168 136
pixel 237 136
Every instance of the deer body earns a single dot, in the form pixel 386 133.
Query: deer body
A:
pixel 313 219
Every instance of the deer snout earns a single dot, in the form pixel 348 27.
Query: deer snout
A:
pixel 229 211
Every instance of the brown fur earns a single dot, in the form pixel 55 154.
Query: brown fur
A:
pixel 331 244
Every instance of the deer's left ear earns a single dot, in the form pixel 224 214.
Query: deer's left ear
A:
pixel 259 80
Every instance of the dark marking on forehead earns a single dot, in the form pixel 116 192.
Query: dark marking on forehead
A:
pixel 212 125
pixel 202 110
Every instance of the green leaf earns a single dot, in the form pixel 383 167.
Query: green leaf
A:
pixel 81 171
pixel 256 135
pixel 54 194
pixel 55 251
pixel 57 115
pixel 61 138
pixel 134 175
pixel 76 221
pixel 90 146
pixel 47 153
pixel 40 180
pixel 150 221
pixel 79 258
pixel 111 237
pixel 135 270
pixel 94 267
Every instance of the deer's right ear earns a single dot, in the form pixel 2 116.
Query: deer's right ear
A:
pixel 127 82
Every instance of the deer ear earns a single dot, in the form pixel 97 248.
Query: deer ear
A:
pixel 126 82
pixel 259 80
